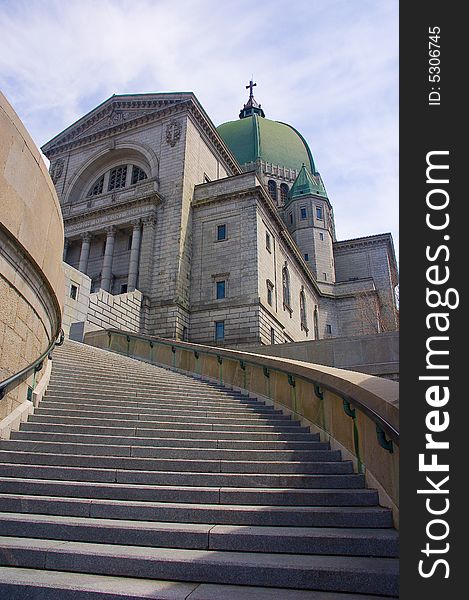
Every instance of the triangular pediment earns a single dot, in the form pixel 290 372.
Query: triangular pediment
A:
pixel 116 112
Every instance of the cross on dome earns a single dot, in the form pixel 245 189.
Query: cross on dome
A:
pixel 251 107
pixel 250 86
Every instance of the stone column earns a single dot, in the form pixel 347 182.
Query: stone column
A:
pixel 66 245
pixel 106 273
pixel 85 252
pixel 146 254
pixel 134 257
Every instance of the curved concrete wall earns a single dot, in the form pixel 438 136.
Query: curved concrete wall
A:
pixel 31 247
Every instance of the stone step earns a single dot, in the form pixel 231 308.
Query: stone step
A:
pixel 168 406
pixel 131 469
pixel 336 573
pixel 224 513
pixel 239 445
pixel 205 479
pixel 174 403
pixel 170 432
pixel 151 422
pixel 288 540
pixel 100 391
pixel 91 382
pixel 186 416
pixel 169 453
pixel 119 389
pixel 189 494
pixel 17 584
pixel 123 375
pixel 182 465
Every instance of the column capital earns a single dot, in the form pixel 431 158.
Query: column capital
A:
pixel 149 220
pixel 136 223
pixel 86 236
pixel 111 230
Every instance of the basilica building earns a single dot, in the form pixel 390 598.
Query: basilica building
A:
pixel 220 235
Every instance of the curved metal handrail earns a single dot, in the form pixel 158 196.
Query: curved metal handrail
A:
pixel 35 366
pixel 385 426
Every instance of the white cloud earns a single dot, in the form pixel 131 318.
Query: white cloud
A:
pixel 328 67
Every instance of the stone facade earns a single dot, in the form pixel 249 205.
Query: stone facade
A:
pixel 121 311
pixel 375 354
pixel 77 298
pixel 153 200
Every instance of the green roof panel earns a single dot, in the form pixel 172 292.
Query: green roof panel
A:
pixel 306 184
pixel 255 137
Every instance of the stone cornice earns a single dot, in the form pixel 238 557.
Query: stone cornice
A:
pixel 71 141
pixel 165 106
pixel 97 219
pixel 210 131
pixel 372 240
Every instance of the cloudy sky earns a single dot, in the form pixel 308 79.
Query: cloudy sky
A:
pixel 327 67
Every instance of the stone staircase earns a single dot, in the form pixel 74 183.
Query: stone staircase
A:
pixel 133 481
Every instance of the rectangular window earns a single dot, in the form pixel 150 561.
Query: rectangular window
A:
pixel 291 218
pixel 267 241
pixel 272 335
pixel 306 256
pixel 129 243
pixel 325 276
pixel 221 232
pixel 221 290
pixel 328 329
pixel 303 213
pixel 319 212
pixel 73 291
pixel 185 335
pixel 219 330
pixel 321 236
pixel 124 288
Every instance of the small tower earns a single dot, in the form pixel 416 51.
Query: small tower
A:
pixel 309 218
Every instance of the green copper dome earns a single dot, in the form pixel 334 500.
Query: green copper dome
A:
pixel 254 137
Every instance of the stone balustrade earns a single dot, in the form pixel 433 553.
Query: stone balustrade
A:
pixel 357 413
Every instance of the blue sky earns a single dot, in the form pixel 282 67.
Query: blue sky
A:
pixel 327 67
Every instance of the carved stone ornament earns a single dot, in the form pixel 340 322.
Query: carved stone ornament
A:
pixel 56 169
pixel 116 117
pixel 173 132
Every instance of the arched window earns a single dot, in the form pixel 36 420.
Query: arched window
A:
pixel 283 192
pixel 304 323
pixel 97 187
pixel 137 174
pixel 316 323
pixel 272 186
pixel 286 287
pixel 116 178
